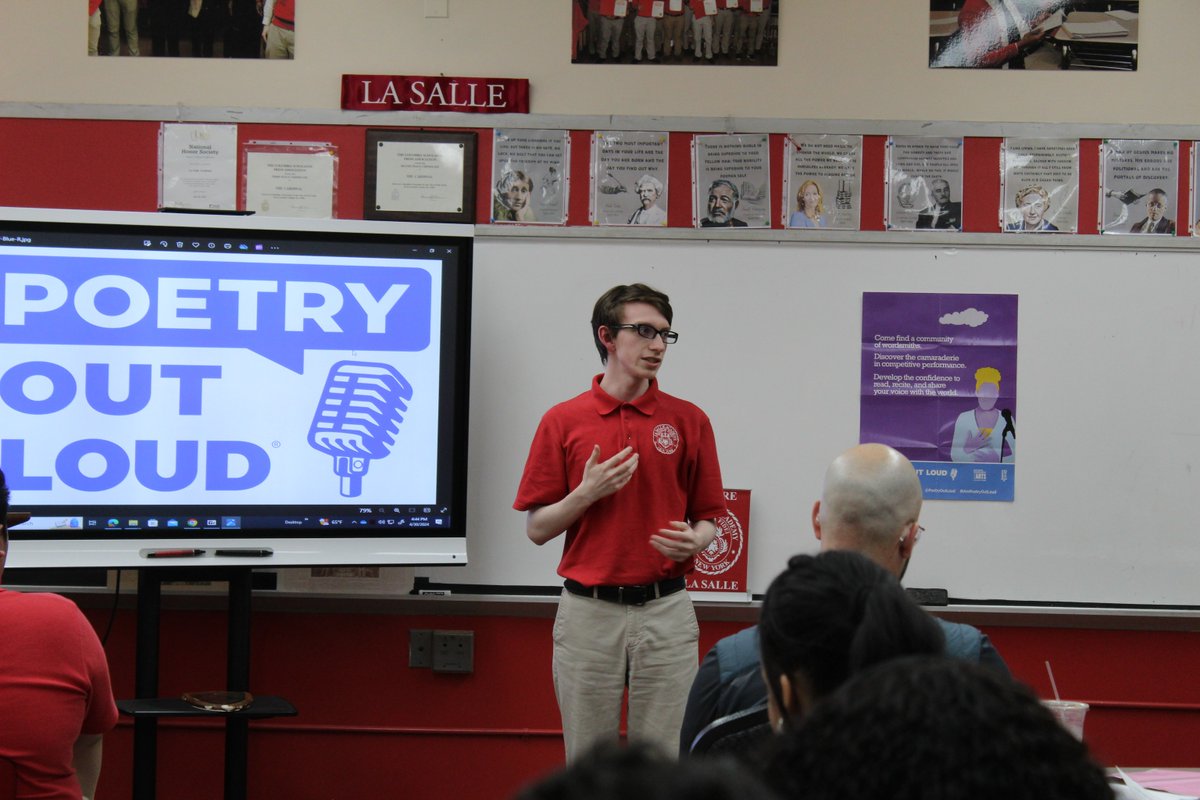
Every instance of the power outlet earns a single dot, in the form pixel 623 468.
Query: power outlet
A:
pixel 420 649
pixel 454 651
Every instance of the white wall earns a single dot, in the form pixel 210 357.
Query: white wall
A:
pixel 840 59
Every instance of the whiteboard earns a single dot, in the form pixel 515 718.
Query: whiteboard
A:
pixel 1106 508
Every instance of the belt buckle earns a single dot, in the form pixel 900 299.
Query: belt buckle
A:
pixel 632 595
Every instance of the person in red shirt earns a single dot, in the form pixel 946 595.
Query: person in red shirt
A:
pixel 752 27
pixel 645 27
pixel 702 28
pixel 630 474
pixel 612 25
pixel 94 27
pixel 56 700
pixel 279 28
pixel 674 28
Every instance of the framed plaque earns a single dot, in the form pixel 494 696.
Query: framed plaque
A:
pixel 425 176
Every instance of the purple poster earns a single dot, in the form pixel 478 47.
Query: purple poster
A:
pixel 939 383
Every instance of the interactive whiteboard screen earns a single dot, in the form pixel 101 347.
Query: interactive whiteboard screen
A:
pixel 182 383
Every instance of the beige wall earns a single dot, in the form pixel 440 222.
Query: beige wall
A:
pixel 840 59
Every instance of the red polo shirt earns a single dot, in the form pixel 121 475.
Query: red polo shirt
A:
pixel 677 478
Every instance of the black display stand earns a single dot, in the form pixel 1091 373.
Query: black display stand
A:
pixel 148 707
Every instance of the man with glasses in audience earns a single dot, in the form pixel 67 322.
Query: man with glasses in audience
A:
pixel 630 473
pixel 870 504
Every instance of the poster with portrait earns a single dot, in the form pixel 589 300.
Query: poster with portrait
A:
pixel 1137 186
pixel 731 181
pixel 939 384
pixel 629 178
pixel 823 182
pixel 529 176
pixel 1039 185
pixel 924 183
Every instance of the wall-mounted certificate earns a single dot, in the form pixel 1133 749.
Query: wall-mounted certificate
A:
pixel 290 179
pixel 420 176
pixel 197 166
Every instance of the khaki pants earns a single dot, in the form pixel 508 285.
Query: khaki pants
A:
pixel 596 642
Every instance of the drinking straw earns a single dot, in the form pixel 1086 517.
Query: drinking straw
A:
pixel 1053 685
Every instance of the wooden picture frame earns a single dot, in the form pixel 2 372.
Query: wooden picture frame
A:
pixel 420 176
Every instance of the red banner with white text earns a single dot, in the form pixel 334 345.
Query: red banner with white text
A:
pixel 722 566
pixel 434 93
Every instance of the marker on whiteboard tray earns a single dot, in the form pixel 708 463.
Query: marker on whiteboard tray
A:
pixel 186 552
pixel 245 552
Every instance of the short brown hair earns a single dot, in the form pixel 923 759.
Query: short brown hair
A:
pixel 607 312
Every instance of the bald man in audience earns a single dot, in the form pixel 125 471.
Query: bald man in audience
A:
pixel 870 503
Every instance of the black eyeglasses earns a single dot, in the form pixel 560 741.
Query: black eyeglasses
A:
pixel 649 332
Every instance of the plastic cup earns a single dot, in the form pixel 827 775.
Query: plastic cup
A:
pixel 1069 713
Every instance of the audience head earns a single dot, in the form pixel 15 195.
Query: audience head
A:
pixel 610 772
pixel 870 503
pixel 933 729
pixel 828 616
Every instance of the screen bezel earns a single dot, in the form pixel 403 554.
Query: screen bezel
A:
pixel 286 547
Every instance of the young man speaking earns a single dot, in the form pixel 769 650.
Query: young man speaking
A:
pixel 630 473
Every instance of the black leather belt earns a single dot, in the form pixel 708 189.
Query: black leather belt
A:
pixel 627 595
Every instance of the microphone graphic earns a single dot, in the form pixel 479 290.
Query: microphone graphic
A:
pixel 360 409
pixel 1008 423
pixel 1008 428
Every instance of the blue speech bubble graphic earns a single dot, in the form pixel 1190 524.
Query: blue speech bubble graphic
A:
pixel 277 310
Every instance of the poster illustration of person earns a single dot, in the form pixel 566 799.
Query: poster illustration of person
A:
pixel 730 177
pixel 824 181
pixel 924 183
pixel 1039 185
pixel 1137 186
pixel 939 383
pixel 529 169
pixel 629 178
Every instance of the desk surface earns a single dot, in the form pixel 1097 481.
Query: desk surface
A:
pixel 1130 25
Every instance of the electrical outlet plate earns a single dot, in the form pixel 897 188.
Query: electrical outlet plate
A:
pixel 420 649
pixel 454 651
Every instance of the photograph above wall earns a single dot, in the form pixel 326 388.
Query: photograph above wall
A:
pixel 731 33
pixel 193 28
pixel 1034 34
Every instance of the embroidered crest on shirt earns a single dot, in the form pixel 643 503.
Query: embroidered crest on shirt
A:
pixel 666 438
